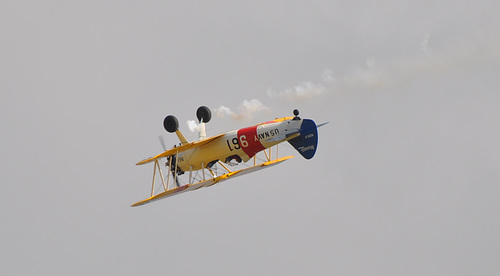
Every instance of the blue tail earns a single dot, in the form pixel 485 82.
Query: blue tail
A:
pixel 307 142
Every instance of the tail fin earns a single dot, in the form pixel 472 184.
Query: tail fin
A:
pixel 307 142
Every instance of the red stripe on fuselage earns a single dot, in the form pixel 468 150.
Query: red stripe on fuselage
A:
pixel 249 141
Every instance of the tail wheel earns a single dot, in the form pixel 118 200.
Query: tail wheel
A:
pixel 170 123
pixel 203 113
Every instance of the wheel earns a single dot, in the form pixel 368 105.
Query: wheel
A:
pixel 170 123
pixel 203 113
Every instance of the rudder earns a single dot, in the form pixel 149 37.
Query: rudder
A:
pixel 307 142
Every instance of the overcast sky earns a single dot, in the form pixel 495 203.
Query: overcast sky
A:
pixel 405 180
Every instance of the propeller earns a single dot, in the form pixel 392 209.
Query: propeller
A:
pixel 172 168
pixel 162 142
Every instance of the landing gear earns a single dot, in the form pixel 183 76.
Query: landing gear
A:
pixel 232 158
pixel 296 114
pixel 171 124
pixel 203 114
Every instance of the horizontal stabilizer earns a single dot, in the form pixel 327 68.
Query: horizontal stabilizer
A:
pixel 320 125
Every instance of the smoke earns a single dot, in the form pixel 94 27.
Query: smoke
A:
pixel 377 75
pixel 245 111
pixel 223 111
pixel 193 126
pixel 303 91
pixel 327 76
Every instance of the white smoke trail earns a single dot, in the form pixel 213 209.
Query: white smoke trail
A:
pixel 223 111
pixel 305 90
pixel 193 126
pixel 377 75
pixel 327 76
pixel 245 111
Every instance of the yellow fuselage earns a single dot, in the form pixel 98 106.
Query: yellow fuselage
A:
pixel 240 144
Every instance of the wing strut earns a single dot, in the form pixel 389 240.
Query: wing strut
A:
pixel 224 166
pixel 175 171
pixel 211 181
pixel 157 165
pixel 194 184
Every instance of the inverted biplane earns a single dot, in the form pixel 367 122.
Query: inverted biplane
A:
pixel 199 159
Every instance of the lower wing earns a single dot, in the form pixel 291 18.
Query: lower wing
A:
pixel 210 182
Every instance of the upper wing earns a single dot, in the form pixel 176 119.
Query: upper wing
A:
pixel 180 149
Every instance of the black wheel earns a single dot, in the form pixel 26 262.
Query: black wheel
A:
pixel 170 123
pixel 203 113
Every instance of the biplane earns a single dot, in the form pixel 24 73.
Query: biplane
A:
pixel 201 159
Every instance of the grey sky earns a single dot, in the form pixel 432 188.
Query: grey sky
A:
pixel 405 180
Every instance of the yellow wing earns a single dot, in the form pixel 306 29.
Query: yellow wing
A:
pixel 210 182
pixel 182 148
